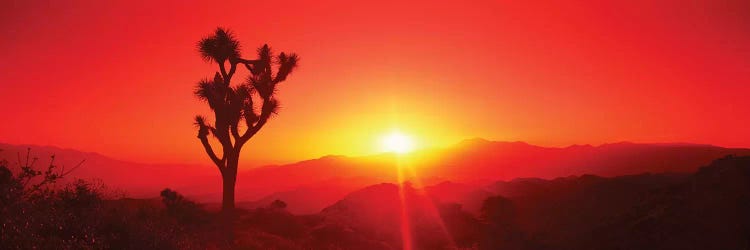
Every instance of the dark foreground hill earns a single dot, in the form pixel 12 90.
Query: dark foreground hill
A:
pixel 705 210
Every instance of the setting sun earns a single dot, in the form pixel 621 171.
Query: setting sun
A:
pixel 397 142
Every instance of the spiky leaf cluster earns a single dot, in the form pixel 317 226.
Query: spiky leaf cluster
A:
pixel 220 46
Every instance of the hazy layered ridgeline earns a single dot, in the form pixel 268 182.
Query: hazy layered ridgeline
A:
pixel 308 186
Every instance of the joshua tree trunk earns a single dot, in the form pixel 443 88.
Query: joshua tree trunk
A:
pixel 229 179
pixel 227 202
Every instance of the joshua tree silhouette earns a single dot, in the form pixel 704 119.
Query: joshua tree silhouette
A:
pixel 233 104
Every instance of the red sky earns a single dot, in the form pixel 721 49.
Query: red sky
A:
pixel 117 78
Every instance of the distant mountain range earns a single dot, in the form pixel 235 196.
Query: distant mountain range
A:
pixel 308 186
pixel 474 162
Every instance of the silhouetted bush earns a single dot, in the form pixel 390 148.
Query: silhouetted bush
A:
pixel 278 204
pixel 185 211
pixel 275 219
pixel 37 215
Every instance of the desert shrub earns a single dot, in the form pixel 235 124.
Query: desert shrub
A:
pixel 185 211
pixel 277 204
pixel 274 219
pixel 36 214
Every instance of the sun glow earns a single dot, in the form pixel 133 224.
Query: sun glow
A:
pixel 397 142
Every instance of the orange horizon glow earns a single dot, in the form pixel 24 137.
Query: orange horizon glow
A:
pixel 117 77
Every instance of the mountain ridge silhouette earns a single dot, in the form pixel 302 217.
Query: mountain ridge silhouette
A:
pixel 472 161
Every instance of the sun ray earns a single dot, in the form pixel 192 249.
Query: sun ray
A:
pixel 406 237
pixel 403 167
pixel 433 210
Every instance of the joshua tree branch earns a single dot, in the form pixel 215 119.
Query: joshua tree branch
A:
pixel 223 73
pixel 222 131
pixel 235 133
pixel 246 62
pixel 210 151
pixel 251 131
pixel 232 68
